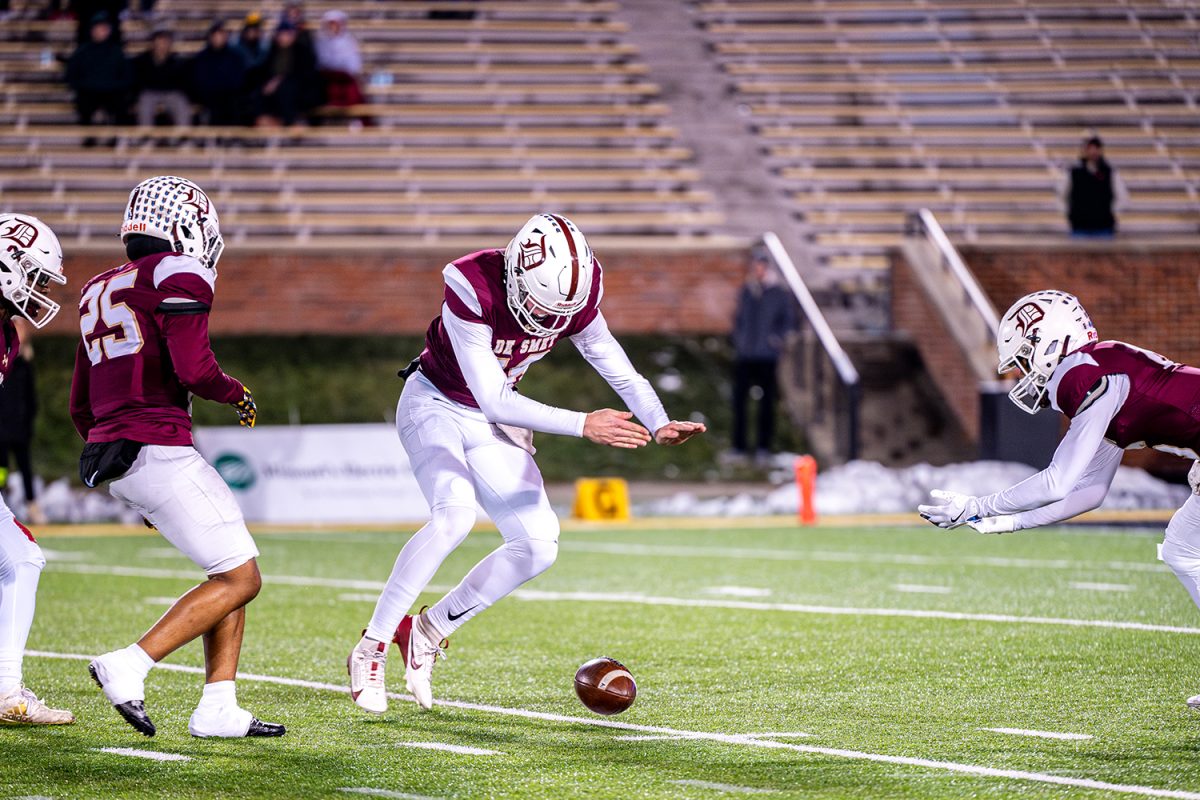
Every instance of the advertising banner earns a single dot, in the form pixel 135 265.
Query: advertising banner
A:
pixel 313 474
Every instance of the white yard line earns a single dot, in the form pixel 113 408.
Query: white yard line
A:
pixel 918 588
pixel 854 557
pixel 153 755
pixel 738 591
pixel 1074 737
pixel 649 737
pixel 781 735
pixel 747 740
pixel 385 793
pixel 685 602
pixel 1087 586
pixel 724 787
pixel 461 750
pixel 159 601
pixel 749 605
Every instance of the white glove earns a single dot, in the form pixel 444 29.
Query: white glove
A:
pixel 954 509
pixel 1005 523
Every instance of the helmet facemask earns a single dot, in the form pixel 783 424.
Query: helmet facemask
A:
pixel 1029 393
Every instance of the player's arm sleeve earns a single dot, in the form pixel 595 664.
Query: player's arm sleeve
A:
pixel 195 365
pixel 472 343
pixel 81 402
pixel 1073 458
pixel 602 350
pixel 1088 494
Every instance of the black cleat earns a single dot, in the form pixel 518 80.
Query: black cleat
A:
pixel 260 728
pixel 133 712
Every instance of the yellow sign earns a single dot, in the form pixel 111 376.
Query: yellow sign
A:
pixel 601 499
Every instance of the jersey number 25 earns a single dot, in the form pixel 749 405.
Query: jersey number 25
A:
pixel 97 306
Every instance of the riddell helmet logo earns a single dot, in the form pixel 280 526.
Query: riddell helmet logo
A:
pixel 1027 316
pixel 533 253
pixel 22 233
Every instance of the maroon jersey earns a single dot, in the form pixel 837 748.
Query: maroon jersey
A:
pixel 475 292
pixel 145 351
pixel 1163 406
pixel 12 346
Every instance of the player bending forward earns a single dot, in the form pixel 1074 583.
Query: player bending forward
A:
pixel 144 352
pixel 468 435
pixel 1116 396
pixel 30 260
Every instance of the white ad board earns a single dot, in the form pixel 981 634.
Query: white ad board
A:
pixel 316 474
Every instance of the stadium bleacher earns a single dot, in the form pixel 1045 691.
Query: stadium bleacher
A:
pixel 869 110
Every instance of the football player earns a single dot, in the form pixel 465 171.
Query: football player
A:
pixel 144 352
pixel 469 435
pixel 1116 397
pixel 30 261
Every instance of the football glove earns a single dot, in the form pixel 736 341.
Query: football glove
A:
pixel 246 410
pixel 954 509
pixel 1005 523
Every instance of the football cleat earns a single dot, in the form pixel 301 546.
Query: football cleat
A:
pixel 366 664
pixel 1193 702
pixel 420 645
pixel 126 695
pixel 230 722
pixel 22 707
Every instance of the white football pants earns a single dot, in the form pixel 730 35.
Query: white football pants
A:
pixel 458 458
pixel 21 563
pixel 182 496
pixel 1181 546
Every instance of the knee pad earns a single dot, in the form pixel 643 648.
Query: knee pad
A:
pixel 1181 559
pixel 454 522
pixel 538 554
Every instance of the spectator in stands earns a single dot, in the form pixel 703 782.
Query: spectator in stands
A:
pixel 293 14
pixel 86 11
pixel 1092 193
pixel 99 75
pixel 161 79
pixel 766 314
pixel 250 42
pixel 218 79
pixel 289 83
pixel 339 60
pixel 18 407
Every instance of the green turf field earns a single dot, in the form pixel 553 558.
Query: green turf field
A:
pixel 768 660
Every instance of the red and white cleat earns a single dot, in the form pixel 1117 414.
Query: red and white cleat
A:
pixel 366 665
pixel 420 644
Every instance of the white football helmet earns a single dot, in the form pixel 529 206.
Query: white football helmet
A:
pixel 1035 334
pixel 548 270
pixel 30 260
pixel 177 210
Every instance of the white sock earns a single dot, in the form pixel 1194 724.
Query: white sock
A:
pixel 502 571
pixel 218 694
pixel 18 592
pixel 415 566
pixel 138 660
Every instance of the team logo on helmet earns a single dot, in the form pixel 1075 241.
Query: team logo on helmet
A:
pixel 533 253
pixel 1027 316
pixel 194 198
pixel 22 233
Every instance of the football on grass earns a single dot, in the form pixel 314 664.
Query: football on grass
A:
pixel 605 686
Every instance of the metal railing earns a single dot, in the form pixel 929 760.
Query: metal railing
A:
pixel 825 370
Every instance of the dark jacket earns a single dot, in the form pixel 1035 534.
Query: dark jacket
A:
pixel 1090 204
pixel 216 74
pixel 765 315
pixel 169 76
pixel 98 67
pixel 18 403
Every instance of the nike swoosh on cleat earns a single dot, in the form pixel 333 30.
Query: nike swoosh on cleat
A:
pixel 453 617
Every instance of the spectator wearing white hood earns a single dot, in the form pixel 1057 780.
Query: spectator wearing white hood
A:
pixel 339 60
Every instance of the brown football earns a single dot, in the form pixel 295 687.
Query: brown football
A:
pixel 605 686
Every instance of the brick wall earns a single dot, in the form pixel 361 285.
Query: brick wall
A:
pixel 292 292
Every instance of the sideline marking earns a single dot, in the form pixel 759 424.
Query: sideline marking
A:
pixel 153 755
pixel 918 588
pixel 738 739
pixel 462 750
pixel 604 597
pixel 1087 586
pixel 846 556
pixel 724 787
pixel 385 793
pixel 1078 737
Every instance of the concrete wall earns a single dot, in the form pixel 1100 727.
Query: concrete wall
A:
pixel 294 292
